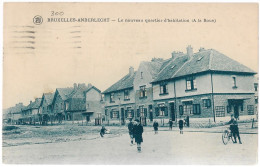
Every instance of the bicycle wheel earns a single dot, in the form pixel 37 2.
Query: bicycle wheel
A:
pixel 225 137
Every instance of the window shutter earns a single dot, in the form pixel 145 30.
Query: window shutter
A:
pixel 166 111
pixel 156 111
pixel 181 110
pixel 117 114
pixel 138 113
pixel 133 113
pixel 145 112
pixel 126 111
pixel 194 109
pixel 111 114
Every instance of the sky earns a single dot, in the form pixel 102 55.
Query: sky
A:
pixel 40 58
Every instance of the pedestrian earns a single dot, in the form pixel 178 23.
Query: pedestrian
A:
pixel 103 131
pixel 181 126
pixel 137 133
pixel 155 127
pixel 234 129
pixel 130 129
pixel 170 124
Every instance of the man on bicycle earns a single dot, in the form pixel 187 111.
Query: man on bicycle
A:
pixel 234 129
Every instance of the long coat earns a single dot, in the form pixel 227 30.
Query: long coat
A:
pixel 137 132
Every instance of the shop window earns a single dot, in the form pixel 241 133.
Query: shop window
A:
pixel 187 107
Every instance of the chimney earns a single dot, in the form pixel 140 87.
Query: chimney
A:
pixel 89 85
pixel 201 49
pixel 189 51
pixel 75 86
pixel 131 70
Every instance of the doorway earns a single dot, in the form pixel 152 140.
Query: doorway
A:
pixel 172 111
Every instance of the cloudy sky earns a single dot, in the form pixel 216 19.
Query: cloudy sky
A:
pixel 41 58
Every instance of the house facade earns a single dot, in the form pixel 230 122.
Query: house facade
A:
pixel 119 100
pixel 46 107
pixel 206 84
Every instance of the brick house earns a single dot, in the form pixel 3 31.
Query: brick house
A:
pixel 206 84
pixel 119 99
pixel 46 107
pixel 31 113
pixel 146 73
pixel 94 110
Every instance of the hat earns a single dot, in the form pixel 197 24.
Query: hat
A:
pixel 137 120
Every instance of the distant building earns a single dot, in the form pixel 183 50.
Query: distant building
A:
pixel 31 113
pixel 46 108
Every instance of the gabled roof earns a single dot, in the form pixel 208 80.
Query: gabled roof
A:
pixel 172 66
pixel 124 83
pixel 153 67
pixel 33 105
pixel 207 60
pixel 64 92
pixel 48 97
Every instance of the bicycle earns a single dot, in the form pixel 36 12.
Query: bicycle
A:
pixel 226 135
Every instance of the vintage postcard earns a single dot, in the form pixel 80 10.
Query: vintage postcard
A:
pixel 130 83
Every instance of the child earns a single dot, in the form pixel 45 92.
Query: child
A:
pixel 181 126
pixel 130 129
pixel 137 132
pixel 103 131
pixel 155 127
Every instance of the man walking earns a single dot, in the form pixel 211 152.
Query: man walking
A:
pixel 137 132
pixel 130 129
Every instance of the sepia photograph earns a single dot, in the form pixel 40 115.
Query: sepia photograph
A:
pixel 130 83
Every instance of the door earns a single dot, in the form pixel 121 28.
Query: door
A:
pixel 172 110
pixel 122 116
pixel 87 118
pixel 143 121
pixel 236 111
pixel 151 112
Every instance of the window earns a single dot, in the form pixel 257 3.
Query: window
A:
pixel 206 103
pixel 141 109
pixel 66 106
pixel 220 111
pixel 256 86
pixel 163 88
pixel 112 100
pixel 187 107
pixel 196 109
pixel 163 110
pixel 250 109
pixel 115 114
pixel 141 75
pixel 191 83
pixel 234 82
pixel 142 91
pixel 99 115
pixel 126 95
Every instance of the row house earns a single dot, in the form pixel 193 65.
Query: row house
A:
pixel 206 84
pixel 31 113
pixel 12 114
pixel 77 103
pixel 46 107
